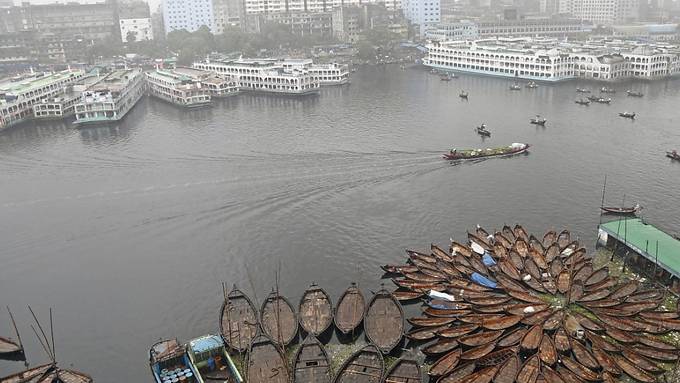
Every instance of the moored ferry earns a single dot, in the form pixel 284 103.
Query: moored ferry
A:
pixel 64 104
pixel 473 154
pixel 177 88
pixel 326 74
pixel 19 94
pixel 218 85
pixel 111 98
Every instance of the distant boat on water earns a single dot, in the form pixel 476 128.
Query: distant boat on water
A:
pixel 473 154
pixel 634 94
pixel 582 90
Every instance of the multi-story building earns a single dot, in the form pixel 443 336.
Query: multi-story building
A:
pixel 264 75
pixel 135 21
pixel 303 23
pixel 556 60
pixel 187 14
pixel 605 12
pixel 350 21
pixel 422 13
pixel 18 94
pixel 469 30
pixel 228 14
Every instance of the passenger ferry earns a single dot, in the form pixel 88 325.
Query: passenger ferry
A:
pixel 218 85
pixel 111 98
pixel 177 89
pixel 327 74
pixel 63 105
pixel 265 75
pixel 19 94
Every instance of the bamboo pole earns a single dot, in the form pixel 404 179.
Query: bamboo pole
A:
pixel 41 331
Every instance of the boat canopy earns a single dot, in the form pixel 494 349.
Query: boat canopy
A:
pixel 206 343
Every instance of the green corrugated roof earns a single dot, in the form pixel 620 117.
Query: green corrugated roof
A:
pixel 643 237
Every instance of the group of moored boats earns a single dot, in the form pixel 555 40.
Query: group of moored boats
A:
pixel 262 336
pixel 602 100
pixel 508 306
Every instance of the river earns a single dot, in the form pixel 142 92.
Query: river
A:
pixel 128 231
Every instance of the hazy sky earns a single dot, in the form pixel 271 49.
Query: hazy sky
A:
pixel 152 3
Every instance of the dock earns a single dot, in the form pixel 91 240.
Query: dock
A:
pixel 652 248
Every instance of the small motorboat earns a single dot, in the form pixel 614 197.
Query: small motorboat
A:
pixel 582 90
pixel 582 102
pixel 621 210
pixel 601 100
pixel 532 85
pixel 446 77
pixel 515 87
pixel 538 120
pixel 463 95
pixel 474 154
pixel 607 90
pixel 634 94
pixel 482 131
pixel 210 361
pixel 627 115
pixel 674 155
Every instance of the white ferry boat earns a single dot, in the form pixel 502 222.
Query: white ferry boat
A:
pixel 111 98
pixel 265 75
pixel 218 85
pixel 19 94
pixel 63 105
pixel 327 74
pixel 177 89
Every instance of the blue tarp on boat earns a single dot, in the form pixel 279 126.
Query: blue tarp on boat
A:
pixel 482 280
pixel 206 343
pixel 488 260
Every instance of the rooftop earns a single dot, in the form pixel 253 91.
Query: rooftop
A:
pixel 18 85
pixel 643 238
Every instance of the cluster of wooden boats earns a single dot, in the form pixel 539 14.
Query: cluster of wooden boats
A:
pixel 476 154
pixel 507 306
pixel 263 335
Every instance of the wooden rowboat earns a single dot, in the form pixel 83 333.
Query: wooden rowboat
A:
pixel 537 318
pixel 278 319
pixel 10 349
pixel 445 313
pixel 480 338
pixel 311 363
pixel 350 310
pixel 525 297
pixel 426 333
pixel 430 322
pixel 550 375
pixel 384 321
pixel 562 342
pixel 532 339
pixel 497 357
pixel 554 321
pixel 266 363
pixel 482 376
pixel 597 276
pixel 402 296
pixel 508 233
pixel 458 331
pixel 521 247
pixel 568 376
pixel 364 366
pixel 606 361
pixel 458 374
pixel 238 320
pixel 509 269
pixel 404 370
pixel 446 363
pixel 512 338
pixel 526 308
pixel 552 253
pixel 478 352
pixel 521 233
pixel 316 310
pixel 631 370
pixel 508 371
pixel 583 356
pixel 441 346
pixel 659 315
pixel 650 352
pixel 47 373
pixel 654 342
pixel 549 238
pixel 459 248
pixel 534 243
pixel 440 253
pixel 564 239
pixel 641 362
pixel 546 351
pixel 529 371
pixel 580 370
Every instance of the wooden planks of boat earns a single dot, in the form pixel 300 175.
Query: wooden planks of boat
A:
pixel 608 378
pixel 529 371
pixel 47 373
pixel 491 301
pixel 499 251
pixel 478 352
pixel 594 295
pixel 602 303
pixel 266 363
pixel 441 346
pixel 480 338
pixel 549 238
pixel 458 331
pixel 525 297
pixel 532 339
pixel 653 353
pixel 537 318
pixel 546 351
pixel 425 278
pixel 604 360
pixel 631 370
pixel 583 273
pixel 641 362
pixel 646 295
pixel 500 238
pixel 552 252
pixel 9 348
pixel 482 376
pixel 549 284
pixel 430 322
pixel 602 343
pixel 568 376
pixel 427 258
pixel 278 319
pixel 508 233
pixel 575 291
pixel 516 259
pixel 659 315
pixel 607 283
pixel 497 357
pixel 458 374
pixel 512 338
pixel 597 276
pixel 508 370
pixel 445 313
pixel 426 333
pixel 402 296
pixel 656 343
pixel 483 242
pixel 534 243
pixel 509 283
pixel 491 309
pixel 311 363
pixel 534 284
pixel 448 305
pixel 619 335
pixel 637 307
pixel 580 370
pixel 562 341
pixel 550 375
pixel 315 310
pixel 564 239
pixel 538 258
pixel 556 267
pixel 349 312
pixel 554 321
pixel 238 320
pixel 584 356
pixel 587 322
pixel 404 370
pixel 399 269
pixel 521 248
pixel 532 268
pixel 506 266
pixel 625 289
pixel 364 366
pixel 440 253
pixel 446 363
pixel 520 232
pixel 526 308
pixel 459 248
pixel 384 321
pixel 411 285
